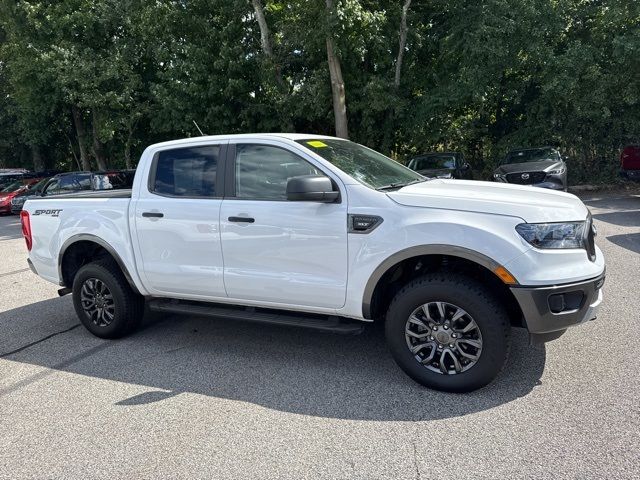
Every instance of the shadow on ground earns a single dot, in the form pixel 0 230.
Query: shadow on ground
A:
pixel 630 241
pixel 290 370
pixel 10 227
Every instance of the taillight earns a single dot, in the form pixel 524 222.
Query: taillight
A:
pixel 26 228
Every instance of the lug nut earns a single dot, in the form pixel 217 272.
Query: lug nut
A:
pixel 446 327
pixel 435 328
pixel 431 337
pixel 451 345
pixel 454 335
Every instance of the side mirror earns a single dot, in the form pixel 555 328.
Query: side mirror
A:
pixel 565 158
pixel 466 166
pixel 311 188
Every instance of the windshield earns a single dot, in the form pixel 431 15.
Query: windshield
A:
pixel 531 155
pixel 433 162
pixel 363 164
pixel 12 187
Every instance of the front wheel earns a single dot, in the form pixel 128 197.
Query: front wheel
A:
pixel 104 302
pixel 447 332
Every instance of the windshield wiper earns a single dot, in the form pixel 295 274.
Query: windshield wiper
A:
pixel 392 186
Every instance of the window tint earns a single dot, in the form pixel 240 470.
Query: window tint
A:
pixel 187 172
pixel 262 171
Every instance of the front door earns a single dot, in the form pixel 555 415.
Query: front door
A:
pixel 177 223
pixel 279 251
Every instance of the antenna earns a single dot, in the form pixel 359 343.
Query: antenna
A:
pixel 194 122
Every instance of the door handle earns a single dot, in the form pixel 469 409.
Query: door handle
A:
pixel 152 214
pixel 242 219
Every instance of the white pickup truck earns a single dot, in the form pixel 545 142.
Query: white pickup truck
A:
pixel 321 232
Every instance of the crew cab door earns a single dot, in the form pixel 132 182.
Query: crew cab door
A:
pixel 275 250
pixel 177 224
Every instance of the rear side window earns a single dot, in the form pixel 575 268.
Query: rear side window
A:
pixel 186 172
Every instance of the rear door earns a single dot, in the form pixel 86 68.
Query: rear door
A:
pixel 176 219
pixel 280 251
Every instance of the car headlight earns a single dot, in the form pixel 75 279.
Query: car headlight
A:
pixel 553 235
pixel 558 171
pixel 498 176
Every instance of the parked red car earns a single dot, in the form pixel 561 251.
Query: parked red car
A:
pixel 11 190
pixel 630 162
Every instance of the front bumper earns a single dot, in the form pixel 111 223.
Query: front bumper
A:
pixel 548 311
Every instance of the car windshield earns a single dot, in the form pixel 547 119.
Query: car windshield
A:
pixel 36 187
pixel 12 187
pixel 433 162
pixel 363 164
pixel 531 155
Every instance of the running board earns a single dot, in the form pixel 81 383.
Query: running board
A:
pixel 324 323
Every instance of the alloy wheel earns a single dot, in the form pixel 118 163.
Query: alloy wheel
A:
pixel 97 302
pixel 443 337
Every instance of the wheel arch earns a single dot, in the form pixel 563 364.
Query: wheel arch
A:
pixel 75 252
pixel 436 253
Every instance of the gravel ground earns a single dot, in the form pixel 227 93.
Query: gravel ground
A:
pixel 200 398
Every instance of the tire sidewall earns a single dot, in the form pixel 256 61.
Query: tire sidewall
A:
pixel 119 324
pixel 466 295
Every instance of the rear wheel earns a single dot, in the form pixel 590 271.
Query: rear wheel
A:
pixel 104 302
pixel 448 332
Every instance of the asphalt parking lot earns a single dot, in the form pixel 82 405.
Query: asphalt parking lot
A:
pixel 200 398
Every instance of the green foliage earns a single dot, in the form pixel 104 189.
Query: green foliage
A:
pixel 477 76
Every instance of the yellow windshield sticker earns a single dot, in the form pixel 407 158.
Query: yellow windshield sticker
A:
pixel 317 143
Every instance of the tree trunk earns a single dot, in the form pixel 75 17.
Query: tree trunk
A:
pixel 402 42
pixel 98 146
pixel 127 144
pixel 265 41
pixel 81 133
pixel 38 161
pixel 337 83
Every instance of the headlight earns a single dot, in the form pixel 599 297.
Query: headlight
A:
pixel 558 171
pixel 498 176
pixel 553 235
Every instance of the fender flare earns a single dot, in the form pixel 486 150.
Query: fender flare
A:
pixel 86 237
pixel 418 251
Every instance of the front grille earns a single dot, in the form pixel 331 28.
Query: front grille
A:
pixel 529 177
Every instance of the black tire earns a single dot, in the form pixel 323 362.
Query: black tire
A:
pixel 491 319
pixel 128 306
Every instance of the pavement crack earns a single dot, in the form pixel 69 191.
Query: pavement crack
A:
pixel 6 274
pixel 18 350
pixel 415 460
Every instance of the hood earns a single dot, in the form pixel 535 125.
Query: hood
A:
pixel 529 166
pixel 532 204
pixel 436 172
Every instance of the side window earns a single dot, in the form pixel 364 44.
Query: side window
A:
pixel 186 172
pixel 73 183
pixel 53 187
pixel 262 171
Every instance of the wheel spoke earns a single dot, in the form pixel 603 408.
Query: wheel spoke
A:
pixel 468 355
pixel 416 348
pixel 470 326
pixel 419 336
pixel 415 320
pixel 425 310
pixel 472 342
pixel 458 315
pixel 456 363
pixel 440 306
